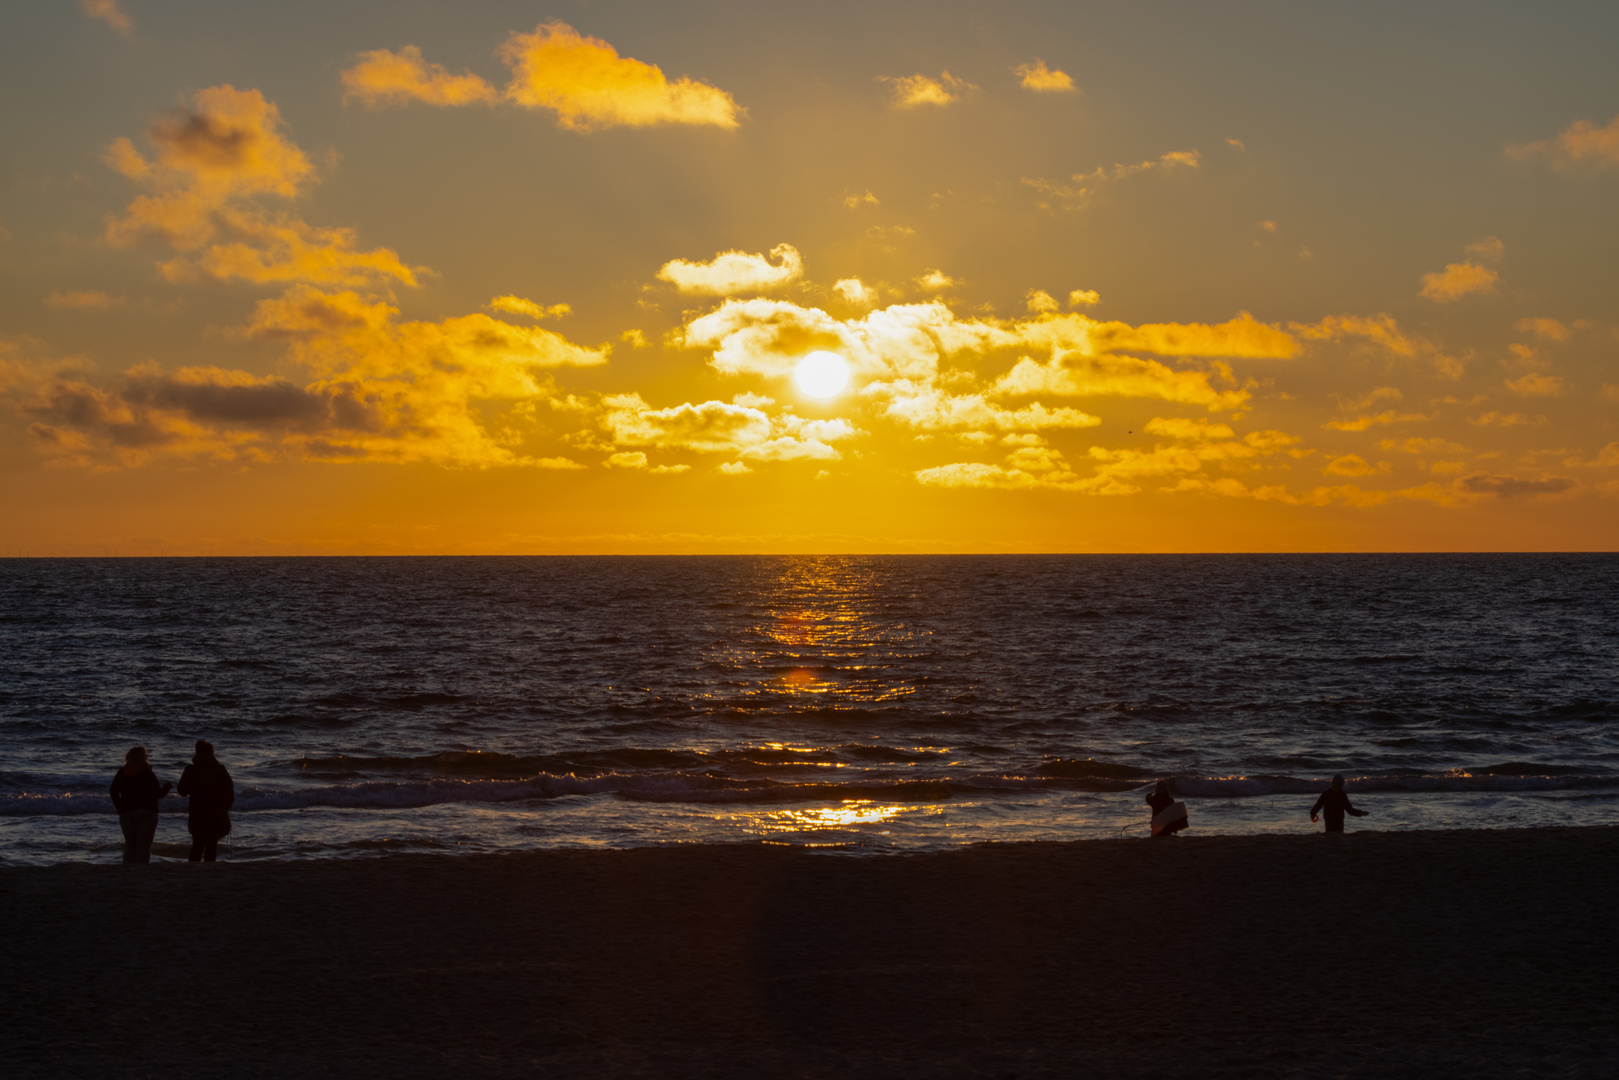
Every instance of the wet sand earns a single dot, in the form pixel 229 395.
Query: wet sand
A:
pixel 1480 953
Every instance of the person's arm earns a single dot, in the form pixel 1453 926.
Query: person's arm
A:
pixel 1352 811
pixel 117 792
pixel 185 783
pixel 1316 809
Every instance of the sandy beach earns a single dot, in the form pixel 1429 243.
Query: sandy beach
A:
pixel 1478 953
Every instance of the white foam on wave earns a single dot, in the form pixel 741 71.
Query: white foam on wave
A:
pixel 705 788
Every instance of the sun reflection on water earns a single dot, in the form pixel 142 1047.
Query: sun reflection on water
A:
pixel 851 814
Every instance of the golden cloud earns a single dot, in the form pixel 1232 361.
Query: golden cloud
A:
pixel 1458 280
pixel 383 78
pixel 110 13
pixel 1547 329
pixel 1355 465
pixel 517 305
pixel 741 428
pixel 1385 333
pixel 1535 384
pixel 923 406
pixel 1076 375
pixel 459 392
pixel 1038 300
pixel 1579 143
pixel 1490 247
pixel 852 290
pixel 1040 79
pixel 913 90
pixel 212 161
pixel 735 271
pixel 897 352
pixel 589 86
pixel 583 80
pixel 1500 419
pixel 1362 423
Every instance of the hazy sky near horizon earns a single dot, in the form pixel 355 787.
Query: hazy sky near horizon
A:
pixel 498 277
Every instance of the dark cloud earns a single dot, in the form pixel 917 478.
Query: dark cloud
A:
pixel 1507 486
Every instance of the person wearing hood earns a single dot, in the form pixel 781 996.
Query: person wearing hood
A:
pixel 135 794
pixel 1335 804
pixel 1168 816
pixel 209 787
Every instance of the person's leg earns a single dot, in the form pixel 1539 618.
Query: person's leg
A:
pixel 145 832
pixel 126 822
pixel 210 850
pixel 197 843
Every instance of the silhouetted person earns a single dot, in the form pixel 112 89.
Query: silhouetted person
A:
pixel 212 795
pixel 1334 803
pixel 1160 800
pixel 135 793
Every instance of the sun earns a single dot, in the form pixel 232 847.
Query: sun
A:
pixel 822 374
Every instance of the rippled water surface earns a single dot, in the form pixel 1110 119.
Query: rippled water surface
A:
pixel 369 705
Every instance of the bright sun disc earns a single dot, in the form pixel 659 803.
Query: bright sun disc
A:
pixel 822 374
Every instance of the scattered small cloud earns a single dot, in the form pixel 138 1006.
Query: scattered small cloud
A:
pixel 634 338
pixel 1490 248
pixel 855 292
pixel 735 271
pixel 1039 300
pixel 1084 298
pixel 1076 191
pixel 911 91
pixel 1365 422
pixel 855 202
pixel 1238 143
pixel 1458 280
pixel 1547 329
pixel 1040 79
pixel 1580 143
pixel 384 78
pixel 1509 486
pixel 1536 384
pixel 1500 419
pixel 735 468
pixel 1355 465
pixel 935 280
pixel 110 13
pixel 1268 226
pixel 582 80
pixel 516 305
pixel 91 300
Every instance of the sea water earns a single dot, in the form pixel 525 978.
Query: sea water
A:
pixel 368 705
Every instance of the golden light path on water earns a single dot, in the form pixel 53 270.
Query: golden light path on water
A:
pixel 775 826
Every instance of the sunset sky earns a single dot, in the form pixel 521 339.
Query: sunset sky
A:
pixel 489 278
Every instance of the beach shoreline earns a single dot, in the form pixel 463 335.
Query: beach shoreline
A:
pixel 1476 953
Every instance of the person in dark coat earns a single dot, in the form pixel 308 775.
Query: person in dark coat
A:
pixel 1335 804
pixel 1161 799
pixel 135 794
pixel 212 794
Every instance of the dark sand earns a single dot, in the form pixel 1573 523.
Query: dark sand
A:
pixel 1374 954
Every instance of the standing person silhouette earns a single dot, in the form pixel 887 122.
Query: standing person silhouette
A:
pixel 135 794
pixel 212 794
pixel 1335 804
pixel 1161 800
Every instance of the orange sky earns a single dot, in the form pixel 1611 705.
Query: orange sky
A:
pixel 1100 281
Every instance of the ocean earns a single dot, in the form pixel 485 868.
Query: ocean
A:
pixel 866 704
